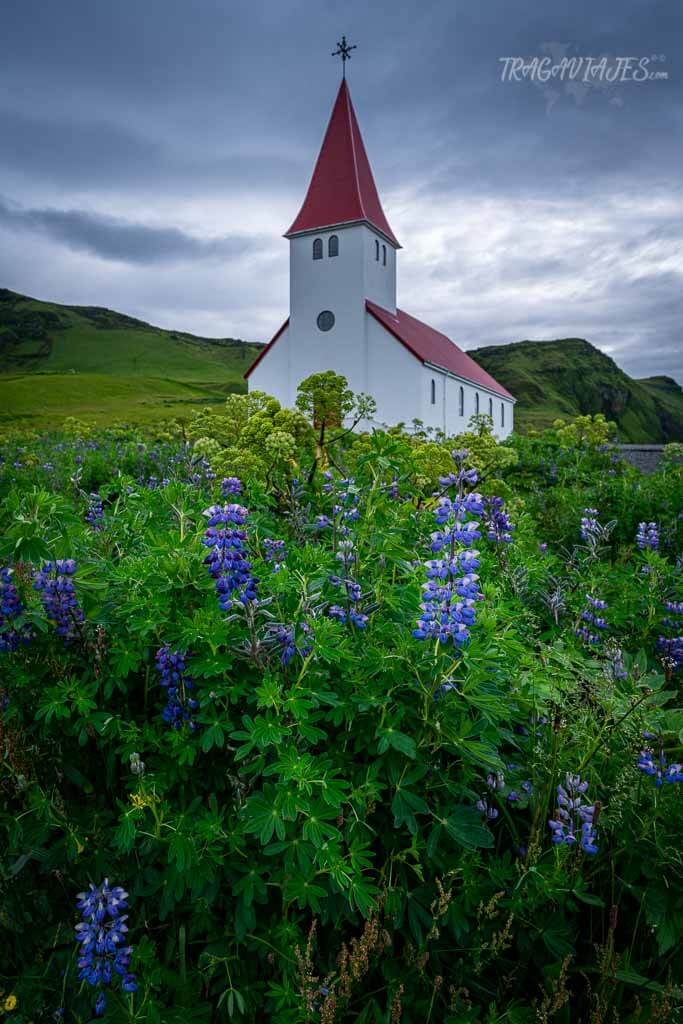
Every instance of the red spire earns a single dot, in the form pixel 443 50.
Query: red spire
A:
pixel 342 189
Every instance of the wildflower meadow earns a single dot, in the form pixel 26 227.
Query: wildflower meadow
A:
pixel 304 723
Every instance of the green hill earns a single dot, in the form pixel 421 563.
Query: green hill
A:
pixel 569 377
pixel 58 361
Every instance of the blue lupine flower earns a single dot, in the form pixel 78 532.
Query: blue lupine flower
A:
pixel 593 621
pixel 574 821
pixel 103 954
pixel 180 706
pixel 589 523
pixel 647 536
pixel 226 561
pixel 276 552
pixel 58 595
pixel 231 485
pixel 95 513
pixel 660 770
pixel 499 527
pixel 11 609
pixel 490 813
pixel 670 648
pixel 284 638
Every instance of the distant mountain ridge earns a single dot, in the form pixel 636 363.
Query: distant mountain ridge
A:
pixel 570 377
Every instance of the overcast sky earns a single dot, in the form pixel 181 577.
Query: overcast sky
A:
pixel 152 154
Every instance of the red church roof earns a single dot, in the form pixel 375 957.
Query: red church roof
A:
pixel 342 189
pixel 430 346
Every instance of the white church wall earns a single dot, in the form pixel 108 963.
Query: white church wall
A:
pixel 380 278
pixel 272 373
pixel 393 377
pixel 335 284
pixel 444 414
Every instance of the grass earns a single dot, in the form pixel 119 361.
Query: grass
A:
pixel 58 361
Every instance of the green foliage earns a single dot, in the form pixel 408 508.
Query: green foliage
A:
pixel 314 850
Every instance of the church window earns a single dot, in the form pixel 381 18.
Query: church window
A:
pixel 333 246
pixel 461 402
pixel 433 391
pixel 476 402
pixel 502 414
pixel 325 320
pixel 384 255
pixel 376 250
pixel 491 409
pixel 318 249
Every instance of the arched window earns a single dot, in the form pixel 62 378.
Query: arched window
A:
pixel 333 246
pixel 317 249
pixel 384 255
pixel 491 408
pixel 461 402
pixel 376 249
pixel 476 403
pixel 433 391
pixel 502 414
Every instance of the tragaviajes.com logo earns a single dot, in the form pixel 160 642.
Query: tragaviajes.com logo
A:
pixel 583 69
pixel 560 73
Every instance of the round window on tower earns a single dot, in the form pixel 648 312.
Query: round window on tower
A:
pixel 326 320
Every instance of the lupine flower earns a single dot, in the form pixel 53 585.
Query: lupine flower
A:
pixel 647 536
pixel 104 955
pixel 58 594
pixel 499 527
pixel 174 678
pixel 443 689
pixel 11 609
pixel 589 523
pixel 137 766
pixel 574 821
pixel 543 547
pixel 95 513
pixel 284 639
pixel 592 620
pixel 276 552
pixel 660 770
pixel 226 561
pixel 490 813
pixel 231 485
pixel 670 648
pixel 616 669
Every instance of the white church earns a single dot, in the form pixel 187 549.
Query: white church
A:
pixel 342 305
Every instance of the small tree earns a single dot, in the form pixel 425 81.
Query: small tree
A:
pixel 327 400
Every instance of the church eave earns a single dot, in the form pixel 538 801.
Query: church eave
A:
pixel 467 380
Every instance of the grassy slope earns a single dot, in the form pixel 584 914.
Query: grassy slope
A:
pixel 570 377
pixel 58 361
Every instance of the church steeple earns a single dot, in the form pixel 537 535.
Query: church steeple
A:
pixel 342 190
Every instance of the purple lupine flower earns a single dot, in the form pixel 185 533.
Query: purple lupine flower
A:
pixel 490 813
pixel 647 536
pixel 499 527
pixel 231 485
pixel 592 620
pixel 574 821
pixel 180 706
pixel 589 523
pixel 543 547
pixel 670 648
pixel 11 608
pixel 275 552
pixel 103 955
pixel 227 561
pixel 58 595
pixel 95 512
pixel 284 639
pixel 660 770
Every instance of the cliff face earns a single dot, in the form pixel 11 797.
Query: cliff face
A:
pixel 570 377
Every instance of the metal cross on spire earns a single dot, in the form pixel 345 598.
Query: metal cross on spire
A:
pixel 344 51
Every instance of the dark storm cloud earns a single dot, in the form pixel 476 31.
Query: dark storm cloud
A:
pixel 112 238
pixel 560 205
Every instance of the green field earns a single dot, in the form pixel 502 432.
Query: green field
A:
pixel 58 361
